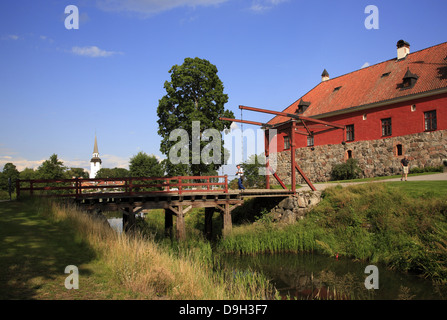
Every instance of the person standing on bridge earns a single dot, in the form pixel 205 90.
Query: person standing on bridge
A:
pixel 240 176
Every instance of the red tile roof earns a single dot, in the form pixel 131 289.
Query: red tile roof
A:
pixel 368 85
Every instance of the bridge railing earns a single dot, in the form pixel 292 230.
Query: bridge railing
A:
pixel 78 187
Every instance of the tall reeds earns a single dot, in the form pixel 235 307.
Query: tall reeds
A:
pixel 371 222
pixel 152 272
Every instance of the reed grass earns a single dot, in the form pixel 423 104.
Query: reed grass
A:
pixel 150 271
pixel 401 225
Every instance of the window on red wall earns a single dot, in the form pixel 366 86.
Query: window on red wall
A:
pixel 386 127
pixel 430 120
pixel 286 142
pixel 350 133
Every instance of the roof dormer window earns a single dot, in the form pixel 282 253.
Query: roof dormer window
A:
pixel 302 106
pixel 409 80
pixel 337 88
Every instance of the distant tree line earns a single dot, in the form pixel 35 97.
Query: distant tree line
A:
pixel 140 165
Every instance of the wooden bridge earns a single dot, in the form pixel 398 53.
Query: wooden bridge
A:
pixel 176 195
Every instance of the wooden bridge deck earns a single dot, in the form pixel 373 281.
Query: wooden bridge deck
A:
pixel 175 195
pixel 165 200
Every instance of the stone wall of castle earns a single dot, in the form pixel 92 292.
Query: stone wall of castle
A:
pixel 375 157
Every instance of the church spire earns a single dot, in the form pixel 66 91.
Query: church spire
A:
pixel 95 148
pixel 95 162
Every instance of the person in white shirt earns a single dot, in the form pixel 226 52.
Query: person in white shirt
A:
pixel 240 174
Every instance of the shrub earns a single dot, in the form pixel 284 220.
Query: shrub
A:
pixel 4 195
pixel 346 171
pixel 426 169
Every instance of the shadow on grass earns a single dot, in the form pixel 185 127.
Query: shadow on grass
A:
pixel 34 252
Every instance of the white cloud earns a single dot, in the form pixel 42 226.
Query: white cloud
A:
pixel 151 7
pixel 93 52
pixel 45 38
pixel 112 161
pixel 108 161
pixel 260 6
pixel 10 37
pixel 20 163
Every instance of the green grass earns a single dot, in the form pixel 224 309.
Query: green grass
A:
pixel 402 224
pixel 424 189
pixel 34 252
pixel 379 178
pixel 39 239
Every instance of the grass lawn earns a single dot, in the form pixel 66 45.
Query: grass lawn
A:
pixel 34 252
pixel 39 241
pixel 425 189
pixel 274 186
pixel 380 178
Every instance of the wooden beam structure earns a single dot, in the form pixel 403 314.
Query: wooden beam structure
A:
pixel 293 116
pixel 247 122
pixel 311 126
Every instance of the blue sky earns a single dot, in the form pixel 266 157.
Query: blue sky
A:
pixel 58 86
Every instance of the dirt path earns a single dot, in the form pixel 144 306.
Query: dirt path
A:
pixel 429 177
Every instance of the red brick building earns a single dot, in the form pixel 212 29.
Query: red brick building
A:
pixel 389 109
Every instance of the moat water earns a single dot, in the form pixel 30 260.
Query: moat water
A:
pixel 314 276
pixel 307 276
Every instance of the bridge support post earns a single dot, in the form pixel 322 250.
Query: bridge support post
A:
pixel 209 212
pixel 180 225
pixel 180 230
pixel 128 219
pixel 227 222
pixel 168 223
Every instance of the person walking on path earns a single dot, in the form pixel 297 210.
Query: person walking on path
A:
pixel 405 166
pixel 240 175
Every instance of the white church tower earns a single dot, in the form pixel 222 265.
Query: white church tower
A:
pixel 95 162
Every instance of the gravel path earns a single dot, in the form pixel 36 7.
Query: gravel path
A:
pixel 429 177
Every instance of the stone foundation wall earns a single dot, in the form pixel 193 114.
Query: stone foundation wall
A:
pixel 295 207
pixel 375 157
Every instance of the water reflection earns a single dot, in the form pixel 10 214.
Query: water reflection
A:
pixel 306 276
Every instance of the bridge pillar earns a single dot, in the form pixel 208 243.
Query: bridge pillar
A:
pixel 180 212
pixel 208 231
pixel 180 224
pixel 168 223
pixel 128 219
pixel 227 222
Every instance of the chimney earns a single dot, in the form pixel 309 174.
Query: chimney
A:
pixel 324 76
pixel 403 49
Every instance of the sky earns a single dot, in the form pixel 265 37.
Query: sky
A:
pixel 59 86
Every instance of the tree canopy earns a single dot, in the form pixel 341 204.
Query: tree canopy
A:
pixel 144 165
pixel 52 168
pixel 76 173
pixel 194 94
pixel 9 172
pixel 112 173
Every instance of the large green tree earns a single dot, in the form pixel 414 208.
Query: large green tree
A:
pixel 112 173
pixel 76 173
pixel 144 165
pixel 252 176
pixel 52 168
pixel 9 172
pixel 28 174
pixel 194 94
